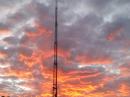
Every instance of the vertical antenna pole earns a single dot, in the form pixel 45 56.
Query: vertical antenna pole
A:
pixel 55 53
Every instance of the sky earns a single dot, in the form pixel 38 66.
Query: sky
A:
pixel 93 48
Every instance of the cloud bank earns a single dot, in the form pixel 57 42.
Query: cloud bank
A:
pixel 93 50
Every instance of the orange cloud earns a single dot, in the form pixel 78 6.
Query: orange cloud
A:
pixel 4 31
pixel 94 60
pixel 74 83
pixel 113 34
pixel 40 31
pixel 3 55
pixel 124 90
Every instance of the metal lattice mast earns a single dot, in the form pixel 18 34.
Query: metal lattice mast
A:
pixel 55 53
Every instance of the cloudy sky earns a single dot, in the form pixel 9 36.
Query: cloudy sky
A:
pixel 93 50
